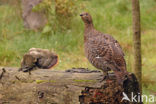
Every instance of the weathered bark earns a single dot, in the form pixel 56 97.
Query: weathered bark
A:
pixel 62 87
pixel 137 40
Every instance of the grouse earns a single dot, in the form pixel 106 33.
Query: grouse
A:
pixel 103 51
pixel 40 58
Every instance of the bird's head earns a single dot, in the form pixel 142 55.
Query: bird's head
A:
pixel 86 17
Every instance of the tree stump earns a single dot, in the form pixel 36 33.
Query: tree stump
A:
pixel 75 86
pixel 111 92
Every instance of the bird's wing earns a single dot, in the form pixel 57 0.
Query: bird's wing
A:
pixel 115 42
pixel 107 51
pixel 100 48
pixel 119 47
pixel 118 57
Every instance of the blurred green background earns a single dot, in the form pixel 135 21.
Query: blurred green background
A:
pixel 66 37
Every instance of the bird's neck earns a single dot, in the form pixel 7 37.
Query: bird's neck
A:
pixel 89 31
pixel 88 28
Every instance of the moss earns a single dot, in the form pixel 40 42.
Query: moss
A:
pixel 43 81
pixel 40 81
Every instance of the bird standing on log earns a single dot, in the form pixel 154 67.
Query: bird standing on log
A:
pixel 103 51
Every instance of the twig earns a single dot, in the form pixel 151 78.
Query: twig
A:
pixel 3 71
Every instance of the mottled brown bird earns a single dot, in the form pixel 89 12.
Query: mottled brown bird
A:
pixel 40 58
pixel 102 50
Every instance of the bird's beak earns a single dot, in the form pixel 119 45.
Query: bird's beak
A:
pixel 81 14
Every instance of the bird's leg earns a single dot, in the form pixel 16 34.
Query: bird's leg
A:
pixel 105 76
pixel 119 76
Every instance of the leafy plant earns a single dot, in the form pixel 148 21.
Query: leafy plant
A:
pixel 65 10
pixel 60 14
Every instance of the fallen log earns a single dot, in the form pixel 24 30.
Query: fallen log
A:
pixel 75 86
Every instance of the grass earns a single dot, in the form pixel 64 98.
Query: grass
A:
pixel 112 17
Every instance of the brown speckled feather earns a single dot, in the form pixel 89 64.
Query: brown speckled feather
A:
pixel 109 38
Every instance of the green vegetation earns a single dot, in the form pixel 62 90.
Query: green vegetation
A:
pixel 112 17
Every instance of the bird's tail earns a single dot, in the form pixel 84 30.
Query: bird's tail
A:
pixel 121 75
